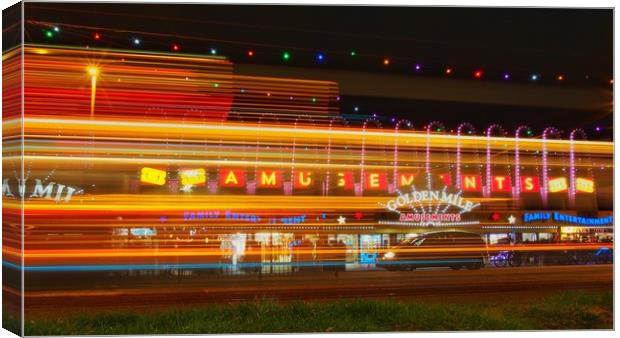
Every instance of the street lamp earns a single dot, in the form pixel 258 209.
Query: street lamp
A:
pixel 93 71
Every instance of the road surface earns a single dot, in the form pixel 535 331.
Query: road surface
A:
pixel 419 284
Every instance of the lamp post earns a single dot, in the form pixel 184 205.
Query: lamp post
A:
pixel 92 72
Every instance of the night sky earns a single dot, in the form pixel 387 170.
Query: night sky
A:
pixel 577 43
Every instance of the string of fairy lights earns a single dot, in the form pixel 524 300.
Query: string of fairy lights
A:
pixel 144 41
pixel 245 52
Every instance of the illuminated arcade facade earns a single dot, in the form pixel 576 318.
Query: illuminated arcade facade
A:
pixel 150 157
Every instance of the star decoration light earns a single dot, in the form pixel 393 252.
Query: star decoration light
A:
pixel 495 216
pixel 512 219
pixel 187 188
pixel 342 220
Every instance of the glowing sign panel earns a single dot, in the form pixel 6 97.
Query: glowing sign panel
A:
pixel 585 185
pixel 539 216
pixel 411 217
pixel 147 232
pixel 153 176
pixel 569 230
pixel 372 180
pixel 439 196
pixel 193 177
pixel 558 184
pixel 559 217
pixel 430 207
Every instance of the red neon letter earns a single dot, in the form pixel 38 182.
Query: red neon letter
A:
pixel 303 179
pixel 375 181
pixel 500 184
pixel 345 180
pixel 269 178
pixel 232 178
pixel 530 184
pixel 471 183
pixel 405 179
pixel 446 179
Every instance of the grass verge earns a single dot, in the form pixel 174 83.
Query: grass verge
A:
pixel 564 310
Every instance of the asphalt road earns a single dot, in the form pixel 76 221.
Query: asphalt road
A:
pixel 422 284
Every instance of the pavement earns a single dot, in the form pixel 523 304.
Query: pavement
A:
pixel 424 284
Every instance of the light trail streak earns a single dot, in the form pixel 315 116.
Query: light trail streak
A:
pixel 572 168
pixel 45 260
pixel 179 113
pixel 376 138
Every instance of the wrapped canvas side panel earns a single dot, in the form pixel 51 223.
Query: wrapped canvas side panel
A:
pixel 12 170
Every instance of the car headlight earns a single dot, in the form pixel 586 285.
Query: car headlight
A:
pixel 389 255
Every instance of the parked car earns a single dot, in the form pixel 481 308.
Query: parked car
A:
pixel 454 249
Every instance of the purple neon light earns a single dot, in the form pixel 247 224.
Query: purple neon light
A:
pixel 427 164
pixel 294 150
pixel 396 129
pixel 487 188
pixel 517 164
pixel 329 157
pixel 544 189
pixel 572 191
pixel 459 130
pixel 363 160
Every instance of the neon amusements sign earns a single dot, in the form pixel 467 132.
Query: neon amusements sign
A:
pixel 429 207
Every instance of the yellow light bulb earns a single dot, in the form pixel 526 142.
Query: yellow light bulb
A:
pixel 93 71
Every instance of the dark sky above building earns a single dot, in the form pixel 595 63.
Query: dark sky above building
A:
pixel 572 41
pixel 577 43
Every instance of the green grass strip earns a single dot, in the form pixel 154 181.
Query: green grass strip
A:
pixel 563 310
